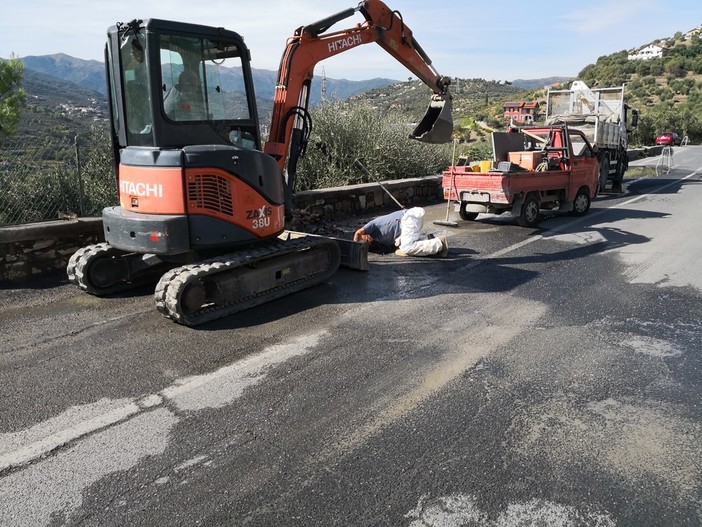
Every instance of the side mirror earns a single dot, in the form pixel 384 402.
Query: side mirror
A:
pixel 634 118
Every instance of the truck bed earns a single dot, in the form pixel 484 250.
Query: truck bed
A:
pixel 499 188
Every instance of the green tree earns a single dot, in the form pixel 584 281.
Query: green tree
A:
pixel 12 96
pixel 675 67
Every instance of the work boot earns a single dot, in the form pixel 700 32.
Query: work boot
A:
pixel 444 247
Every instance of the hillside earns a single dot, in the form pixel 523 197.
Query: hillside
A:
pixel 85 73
pixel 667 90
pixel 534 84
pixel 58 109
pixel 474 100
pixel 412 97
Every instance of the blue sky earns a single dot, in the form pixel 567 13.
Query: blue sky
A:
pixel 494 40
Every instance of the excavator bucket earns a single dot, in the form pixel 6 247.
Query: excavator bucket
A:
pixel 437 124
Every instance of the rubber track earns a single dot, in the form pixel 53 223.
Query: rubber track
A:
pixel 82 258
pixel 172 284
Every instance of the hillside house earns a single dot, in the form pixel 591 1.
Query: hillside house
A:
pixel 521 112
pixel 649 52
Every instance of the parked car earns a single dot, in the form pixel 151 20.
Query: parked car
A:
pixel 668 138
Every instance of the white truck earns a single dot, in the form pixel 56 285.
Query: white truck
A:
pixel 605 119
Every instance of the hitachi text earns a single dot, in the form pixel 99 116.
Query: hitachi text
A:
pixel 144 190
pixel 343 43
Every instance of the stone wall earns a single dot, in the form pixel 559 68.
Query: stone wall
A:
pixel 38 248
pixel 33 249
pixel 369 196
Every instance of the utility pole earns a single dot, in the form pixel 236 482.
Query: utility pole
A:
pixel 324 85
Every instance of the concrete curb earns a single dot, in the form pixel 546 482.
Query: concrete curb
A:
pixel 647 151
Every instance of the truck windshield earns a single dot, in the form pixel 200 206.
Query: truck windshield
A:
pixel 580 147
pixel 202 79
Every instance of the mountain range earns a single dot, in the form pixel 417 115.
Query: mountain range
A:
pixel 66 95
pixel 91 74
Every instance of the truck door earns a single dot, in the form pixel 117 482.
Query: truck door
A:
pixel 583 163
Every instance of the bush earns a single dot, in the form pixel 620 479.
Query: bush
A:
pixel 345 132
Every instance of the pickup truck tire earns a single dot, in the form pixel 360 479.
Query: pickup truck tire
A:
pixel 604 171
pixel 581 203
pixel 529 214
pixel 622 165
pixel 465 215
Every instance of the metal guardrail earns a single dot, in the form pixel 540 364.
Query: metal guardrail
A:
pixel 665 163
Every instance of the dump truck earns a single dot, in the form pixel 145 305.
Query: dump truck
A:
pixel 605 119
pixel 536 168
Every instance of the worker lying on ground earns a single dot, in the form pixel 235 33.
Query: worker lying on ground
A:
pixel 402 229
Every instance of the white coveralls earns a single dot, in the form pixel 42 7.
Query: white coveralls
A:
pixel 411 241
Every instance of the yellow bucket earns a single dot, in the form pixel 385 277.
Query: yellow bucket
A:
pixel 485 166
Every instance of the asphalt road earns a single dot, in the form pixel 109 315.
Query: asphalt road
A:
pixel 547 376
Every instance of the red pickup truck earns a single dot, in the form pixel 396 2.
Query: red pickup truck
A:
pixel 532 169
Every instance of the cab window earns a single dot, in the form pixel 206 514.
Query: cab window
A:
pixel 580 147
pixel 202 80
pixel 136 87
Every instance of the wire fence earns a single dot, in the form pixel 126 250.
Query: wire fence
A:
pixel 56 179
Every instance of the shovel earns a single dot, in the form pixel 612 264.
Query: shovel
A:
pixel 447 222
pixel 437 124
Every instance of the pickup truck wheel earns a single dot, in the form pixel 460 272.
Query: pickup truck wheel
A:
pixel 604 172
pixel 622 166
pixel 529 215
pixel 465 215
pixel 581 203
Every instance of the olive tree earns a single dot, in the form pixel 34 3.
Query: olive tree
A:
pixel 346 132
pixel 12 96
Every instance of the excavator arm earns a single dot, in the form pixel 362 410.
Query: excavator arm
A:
pixel 312 43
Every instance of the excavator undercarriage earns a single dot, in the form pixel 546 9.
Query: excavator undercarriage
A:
pixel 214 287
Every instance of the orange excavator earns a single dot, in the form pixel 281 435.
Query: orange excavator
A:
pixel 202 203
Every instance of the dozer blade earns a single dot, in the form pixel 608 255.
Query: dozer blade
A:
pixel 437 124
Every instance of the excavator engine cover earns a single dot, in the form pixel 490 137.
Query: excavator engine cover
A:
pixel 437 124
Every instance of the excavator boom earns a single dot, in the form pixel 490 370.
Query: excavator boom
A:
pixel 312 43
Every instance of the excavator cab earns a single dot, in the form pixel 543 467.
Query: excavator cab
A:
pixel 186 141
pixel 175 84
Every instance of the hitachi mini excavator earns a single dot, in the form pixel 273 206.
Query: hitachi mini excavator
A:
pixel 202 205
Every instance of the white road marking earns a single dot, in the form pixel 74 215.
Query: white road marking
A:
pixel 53 489
pixel 198 392
pixel 461 509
